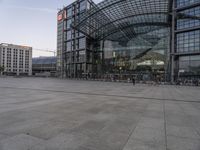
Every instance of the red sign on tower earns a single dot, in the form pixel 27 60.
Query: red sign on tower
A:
pixel 60 17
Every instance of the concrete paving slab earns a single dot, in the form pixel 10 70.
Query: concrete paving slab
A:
pixel 154 123
pixel 178 143
pixel 66 142
pixel 183 132
pixel 20 142
pixel 149 135
pixel 3 136
pixel 141 145
pixel 49 114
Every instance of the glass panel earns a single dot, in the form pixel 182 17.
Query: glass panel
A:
pixel 69 35
pixel 187 22
pixel 83 5
pixel 188 41
pixel 181 3
pixel 69 23
pixel 69 46
pixel 69 12
pixel 82 43
pixel 128 18
pixel 190 64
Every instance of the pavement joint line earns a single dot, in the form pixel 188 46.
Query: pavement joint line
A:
pixel 133 130
pixel 165 125
pixel 107 95
pixel 187 116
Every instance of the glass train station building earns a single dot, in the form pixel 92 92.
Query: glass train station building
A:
pixel 150 39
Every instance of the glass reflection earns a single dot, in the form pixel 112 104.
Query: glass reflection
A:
pixel 144 53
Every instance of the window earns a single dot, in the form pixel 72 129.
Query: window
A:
pixel 73 45
pixel 190 64
pixel 81 56
pixel 89 57
pixel 68 58
pixel 88 5
pixel 69 23
pixel 82 5
pixel 69 12
pixel 82 43
pixel 69 46
pixel 188 23
pixel 188 41
pixel 69 34
pixel 181 3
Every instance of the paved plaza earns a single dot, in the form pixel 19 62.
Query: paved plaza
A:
pixel 55 114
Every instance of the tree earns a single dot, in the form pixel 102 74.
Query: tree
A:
pixel 1 69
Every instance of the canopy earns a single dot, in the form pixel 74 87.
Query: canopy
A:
pixel 124 19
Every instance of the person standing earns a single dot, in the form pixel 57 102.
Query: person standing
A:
pixel 133 80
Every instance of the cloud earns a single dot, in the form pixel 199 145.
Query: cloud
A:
pixel 46 10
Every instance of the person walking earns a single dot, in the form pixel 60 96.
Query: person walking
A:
pixel 133 80
pixel 196 82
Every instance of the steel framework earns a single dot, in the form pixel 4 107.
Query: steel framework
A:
pixel 124 19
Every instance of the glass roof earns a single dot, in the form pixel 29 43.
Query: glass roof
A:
pixel 124 19
pixel 44 60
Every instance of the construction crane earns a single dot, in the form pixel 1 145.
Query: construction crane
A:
pixel 44 50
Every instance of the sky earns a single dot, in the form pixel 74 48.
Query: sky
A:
pixel 31 23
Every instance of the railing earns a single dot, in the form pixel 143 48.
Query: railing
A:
pixel 129 79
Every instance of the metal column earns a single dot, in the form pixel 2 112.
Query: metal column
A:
pixel 172 59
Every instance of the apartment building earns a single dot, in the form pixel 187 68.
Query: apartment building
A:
pixel 16 59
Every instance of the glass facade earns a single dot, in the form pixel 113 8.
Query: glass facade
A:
pixel 69 12
pixel 69 21
pixel 82 6
pixel 60 27
pixel 181 3
pixel 81 43
pixel 189 65
pixel 122 38
pixel 148 49
pixel 74 50
pixel 188 41
pixel 187 34
pixel 183 23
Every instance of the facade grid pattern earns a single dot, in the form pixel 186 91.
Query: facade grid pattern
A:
pixel 119 36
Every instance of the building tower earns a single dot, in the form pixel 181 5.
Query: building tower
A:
pixel 73 55
pixel 185 39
